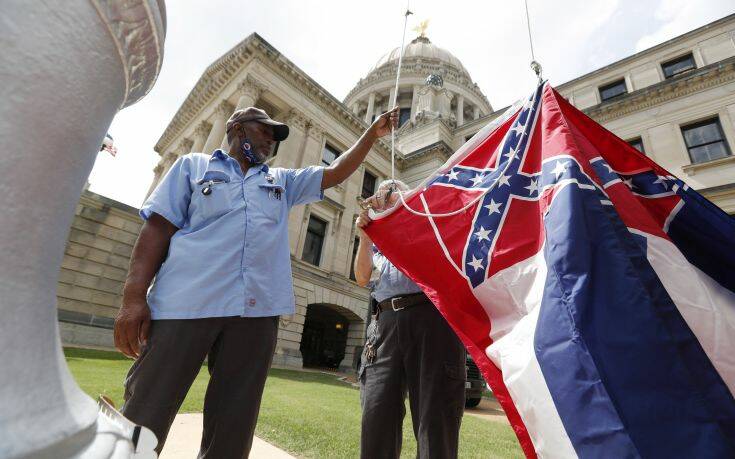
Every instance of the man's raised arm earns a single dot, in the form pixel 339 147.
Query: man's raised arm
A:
pixel 364 259
pixel 349 161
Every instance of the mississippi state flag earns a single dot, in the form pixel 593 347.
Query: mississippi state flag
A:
pixel 593 288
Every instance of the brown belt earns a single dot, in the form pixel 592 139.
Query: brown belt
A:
pixel 402 302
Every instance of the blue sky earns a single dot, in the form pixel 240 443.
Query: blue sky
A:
pixel 338 42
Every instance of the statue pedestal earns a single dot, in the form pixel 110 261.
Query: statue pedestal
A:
pixel 68 67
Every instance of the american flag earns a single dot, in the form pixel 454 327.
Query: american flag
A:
pixel 108 145
pixel 595 290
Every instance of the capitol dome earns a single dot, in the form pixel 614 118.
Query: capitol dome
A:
pixel 456 99
pixel 421 47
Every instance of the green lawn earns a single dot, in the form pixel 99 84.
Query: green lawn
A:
pixel 308 414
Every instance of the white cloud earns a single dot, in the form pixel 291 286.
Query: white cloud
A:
pixel 676 17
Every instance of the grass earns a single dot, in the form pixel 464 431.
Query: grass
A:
pixel 311 415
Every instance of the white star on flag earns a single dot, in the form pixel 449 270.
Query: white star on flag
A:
pixel 533 187
pixel 662 180
pixel 482 234
pixel 452 175
pixel 475 263
pixel 518 129
pixel 503 180
pixel 511 154
pixel 493 207
pixel 477 179
pixel 629 182
pixel 559 169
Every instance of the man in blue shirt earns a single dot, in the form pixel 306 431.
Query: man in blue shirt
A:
pixel 215 238
pixel 410 349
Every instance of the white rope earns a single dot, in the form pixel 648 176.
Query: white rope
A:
pixel 528 26
pixel 395 97
pixel 535 66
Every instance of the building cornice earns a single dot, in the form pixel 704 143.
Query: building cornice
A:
pixel 329 280
pixel 94 200
pixel 728 188
pixel 693 169
pixel 710 76
pixel 438 149
pixel 220 73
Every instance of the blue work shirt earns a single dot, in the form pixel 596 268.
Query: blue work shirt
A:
pixel 391 281
pixel 231 254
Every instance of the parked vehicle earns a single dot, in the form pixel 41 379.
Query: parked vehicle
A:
pixel 474 386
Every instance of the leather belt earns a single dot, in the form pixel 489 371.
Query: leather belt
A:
pixel 398 303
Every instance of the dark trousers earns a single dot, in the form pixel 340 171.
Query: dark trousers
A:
pixel 419 354
pixel 239 351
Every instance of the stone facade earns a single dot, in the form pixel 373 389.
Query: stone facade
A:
pixel 443 108
pixel 94 268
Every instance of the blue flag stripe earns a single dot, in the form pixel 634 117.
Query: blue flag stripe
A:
pixel 621 318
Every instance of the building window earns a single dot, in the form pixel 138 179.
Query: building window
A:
pixel 355 245
pixel 329 154
pixel 637 143
pixel 314 242
pixel 678 66
pixel 368 185
pixel 705 141
pixel 404 115
pixel 614 89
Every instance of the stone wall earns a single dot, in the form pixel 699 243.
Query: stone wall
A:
pixel 92 273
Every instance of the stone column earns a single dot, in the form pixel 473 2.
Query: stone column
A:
pixel 476 112
pixel 162 168
pixel 414 102
pixel 444 101
pixel 223 111
pixel 167 160
pixel 157 175
pixel 200 136
pixel 184 147
pixel 355 108
pixel 460 110
pixel 370 108
pixel 250 91
pixel 355 340
pixel 291 150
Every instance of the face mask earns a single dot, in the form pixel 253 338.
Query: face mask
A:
pixel 250 154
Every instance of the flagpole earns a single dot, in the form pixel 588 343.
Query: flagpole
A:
pixel 395 97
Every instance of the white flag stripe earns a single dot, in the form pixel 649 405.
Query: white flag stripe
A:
pixel 706 306
pixel 512 298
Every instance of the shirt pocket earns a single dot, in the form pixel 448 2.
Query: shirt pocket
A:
pixel 271 199
pixel 212 197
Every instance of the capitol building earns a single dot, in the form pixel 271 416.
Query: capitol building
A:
pixel 675 102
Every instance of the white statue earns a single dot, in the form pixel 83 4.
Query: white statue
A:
pixel 434 100
pixel 67 68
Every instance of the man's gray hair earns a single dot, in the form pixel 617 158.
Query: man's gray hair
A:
pixel 400 185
